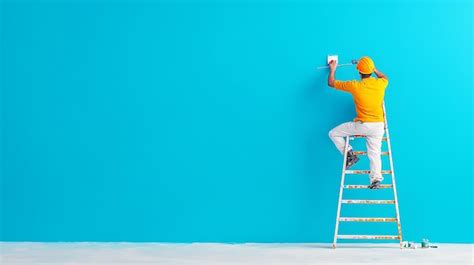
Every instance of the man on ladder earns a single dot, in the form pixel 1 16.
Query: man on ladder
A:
pixel 368 94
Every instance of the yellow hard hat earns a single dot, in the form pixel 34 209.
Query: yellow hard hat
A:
pixel 365 65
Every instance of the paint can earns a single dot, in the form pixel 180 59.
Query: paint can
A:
pixel 425 243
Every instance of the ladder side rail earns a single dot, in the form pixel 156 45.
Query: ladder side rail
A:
pixel 399 226
pixel 341 188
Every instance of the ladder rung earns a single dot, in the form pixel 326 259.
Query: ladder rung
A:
pixel 368 201
pixel 364 136
pixel 365 153
pixel 364 219
pixel 367 237
pixel 366 172
pixel 385 186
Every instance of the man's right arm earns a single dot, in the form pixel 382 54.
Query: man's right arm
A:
pixel 380 74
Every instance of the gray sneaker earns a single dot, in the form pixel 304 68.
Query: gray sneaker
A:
pixel 351 159
pixel 375 185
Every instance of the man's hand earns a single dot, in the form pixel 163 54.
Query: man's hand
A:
pixel 379 74
pixel 331 76
pixel 333 65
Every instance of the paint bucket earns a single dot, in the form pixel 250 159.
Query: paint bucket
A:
pixel 425 243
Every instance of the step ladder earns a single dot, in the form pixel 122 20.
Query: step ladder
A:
pixel 392 186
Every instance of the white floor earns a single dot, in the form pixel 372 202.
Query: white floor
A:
pixel 215 253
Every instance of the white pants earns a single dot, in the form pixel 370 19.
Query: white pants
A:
pixel 374 132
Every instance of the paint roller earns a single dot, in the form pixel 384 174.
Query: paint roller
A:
pixel 334 58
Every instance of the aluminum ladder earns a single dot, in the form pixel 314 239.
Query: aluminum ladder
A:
pixel 386 186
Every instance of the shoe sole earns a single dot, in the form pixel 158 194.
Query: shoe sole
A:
pixel 353 163
pixel 374 187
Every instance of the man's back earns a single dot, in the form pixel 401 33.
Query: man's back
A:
pixel 368 96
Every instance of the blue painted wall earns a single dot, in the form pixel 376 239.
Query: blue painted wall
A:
pixel 207 121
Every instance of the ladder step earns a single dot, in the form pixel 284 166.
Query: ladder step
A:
pixel 367 237
pixel 368 201
pixel 385 186
pixel 365 153
pixel 364 219
pixel 366 171
pixel 364 136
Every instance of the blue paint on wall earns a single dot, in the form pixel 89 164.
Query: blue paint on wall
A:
pixel 206 121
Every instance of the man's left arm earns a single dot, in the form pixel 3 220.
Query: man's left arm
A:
pixel 347 86
pixel 332 73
